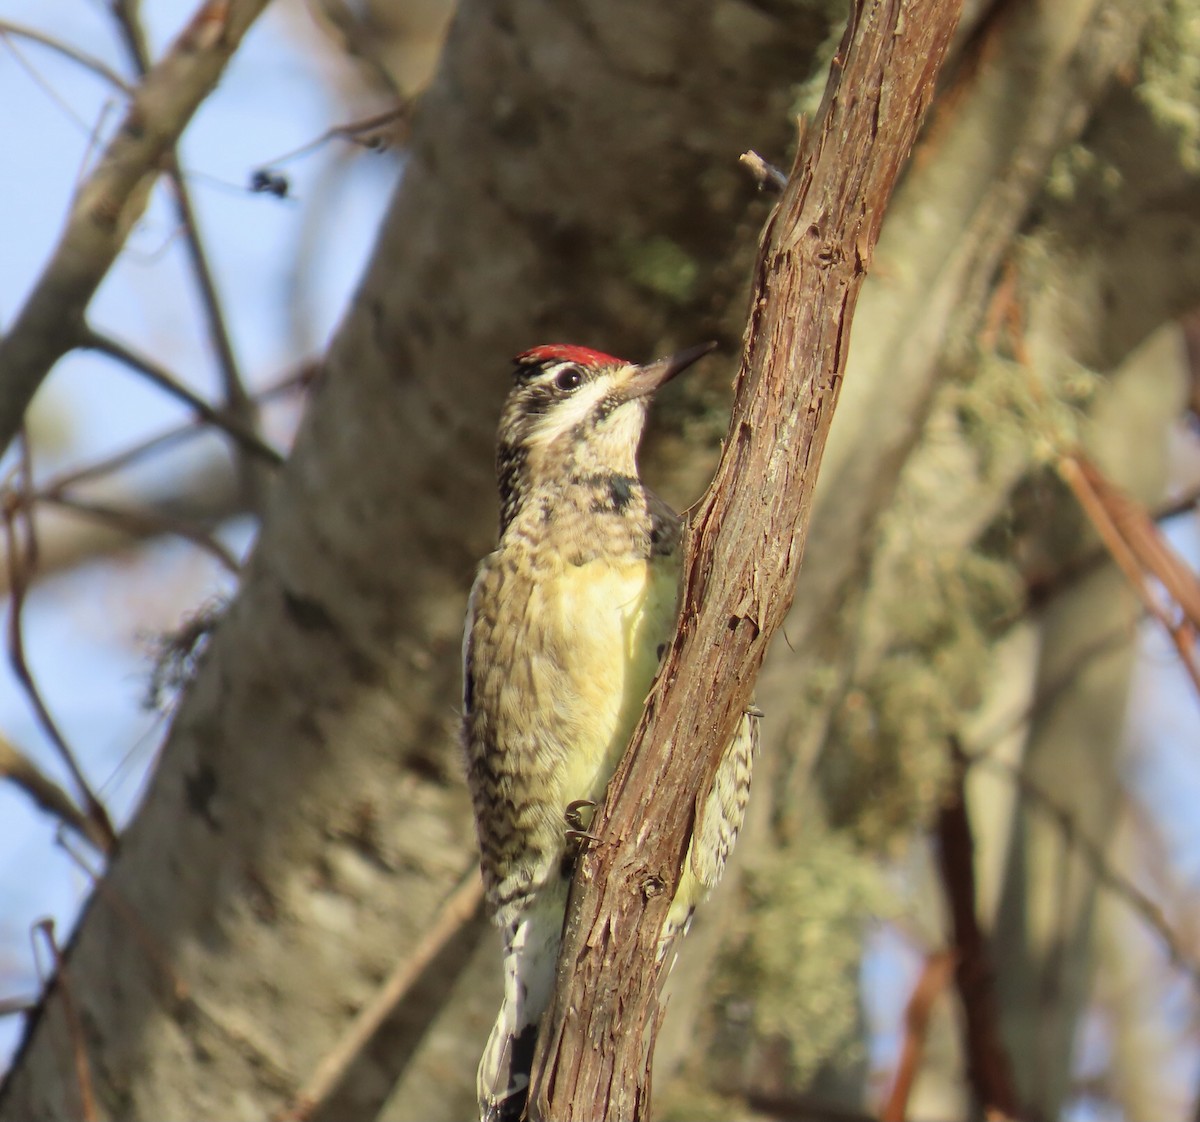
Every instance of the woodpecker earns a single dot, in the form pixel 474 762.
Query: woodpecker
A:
pixel 567 622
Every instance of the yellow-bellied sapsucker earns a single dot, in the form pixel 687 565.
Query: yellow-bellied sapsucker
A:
pixel 567 623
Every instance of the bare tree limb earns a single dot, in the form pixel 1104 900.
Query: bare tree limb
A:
pixel 934 975
pixel 88 61
pixel 47 795
pixel 144 524
pixel 1138 547
pixel 79 1056
pixel 237 401
pixel 989 1067
pixel 229 423
pixel 742 555
pixel 112 199
pixel 21 557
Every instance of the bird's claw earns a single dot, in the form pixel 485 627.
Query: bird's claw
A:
pixel 574 816
pixel 581 836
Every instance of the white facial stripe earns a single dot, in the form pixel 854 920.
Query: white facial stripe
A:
pixel 568 413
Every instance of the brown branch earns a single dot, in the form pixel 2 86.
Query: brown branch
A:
pixel 989 1066
pixel 90 62
pixel 111 200
pixel 934 975
pixel 20 558
pixel 463 906
pixel 83 1070
pixel 1137 546
pixel 206 496
pixel 1044 587
pixel 742 556
pixel 141 524
pixel 371 132
pixel 228 422
pixel 238 403
pixel 12 1006
pixel 296 382
pixel 47 795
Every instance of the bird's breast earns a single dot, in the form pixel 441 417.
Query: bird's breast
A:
pixel 608 621
pixel 593 635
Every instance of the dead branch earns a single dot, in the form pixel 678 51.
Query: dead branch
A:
pixel 47 795
pixel 742 555
pixel 989 1066
pixel 111 200
pixel 934 975
pixel 144 524
pixel 228 423
pixel 1138 548
pixel 83 1069
pixel 88 61
pixel 21 557
pixel 238 404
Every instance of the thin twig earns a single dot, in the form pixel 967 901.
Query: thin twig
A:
pixel 88 61
pixel 767 176
pixel 106 836
pixel 1098 500
pixel 36 78
pixel 935 974
pixel 17 1006
pixel 83 1070
pixel 296 381
pixel 24 774
pixel 141 524
pixel 353 130
pixel 237 400
pixel 1044 588
pixel 224 420
pixel 459 910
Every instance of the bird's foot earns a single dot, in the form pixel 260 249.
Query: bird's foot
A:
pixel 577 829
pixel 574 814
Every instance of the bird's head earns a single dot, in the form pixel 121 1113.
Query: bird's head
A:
pixel 575 412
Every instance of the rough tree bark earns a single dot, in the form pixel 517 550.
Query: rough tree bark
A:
pixel 743 548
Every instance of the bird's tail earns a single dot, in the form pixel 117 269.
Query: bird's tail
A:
pixel 531 946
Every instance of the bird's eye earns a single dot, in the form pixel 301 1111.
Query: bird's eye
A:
pixel 568 378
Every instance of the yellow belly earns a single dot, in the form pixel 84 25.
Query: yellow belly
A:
pixel 609 622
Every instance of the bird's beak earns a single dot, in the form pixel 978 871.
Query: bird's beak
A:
pixel 645 380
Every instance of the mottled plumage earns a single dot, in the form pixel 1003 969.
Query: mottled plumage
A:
pixel 567 623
